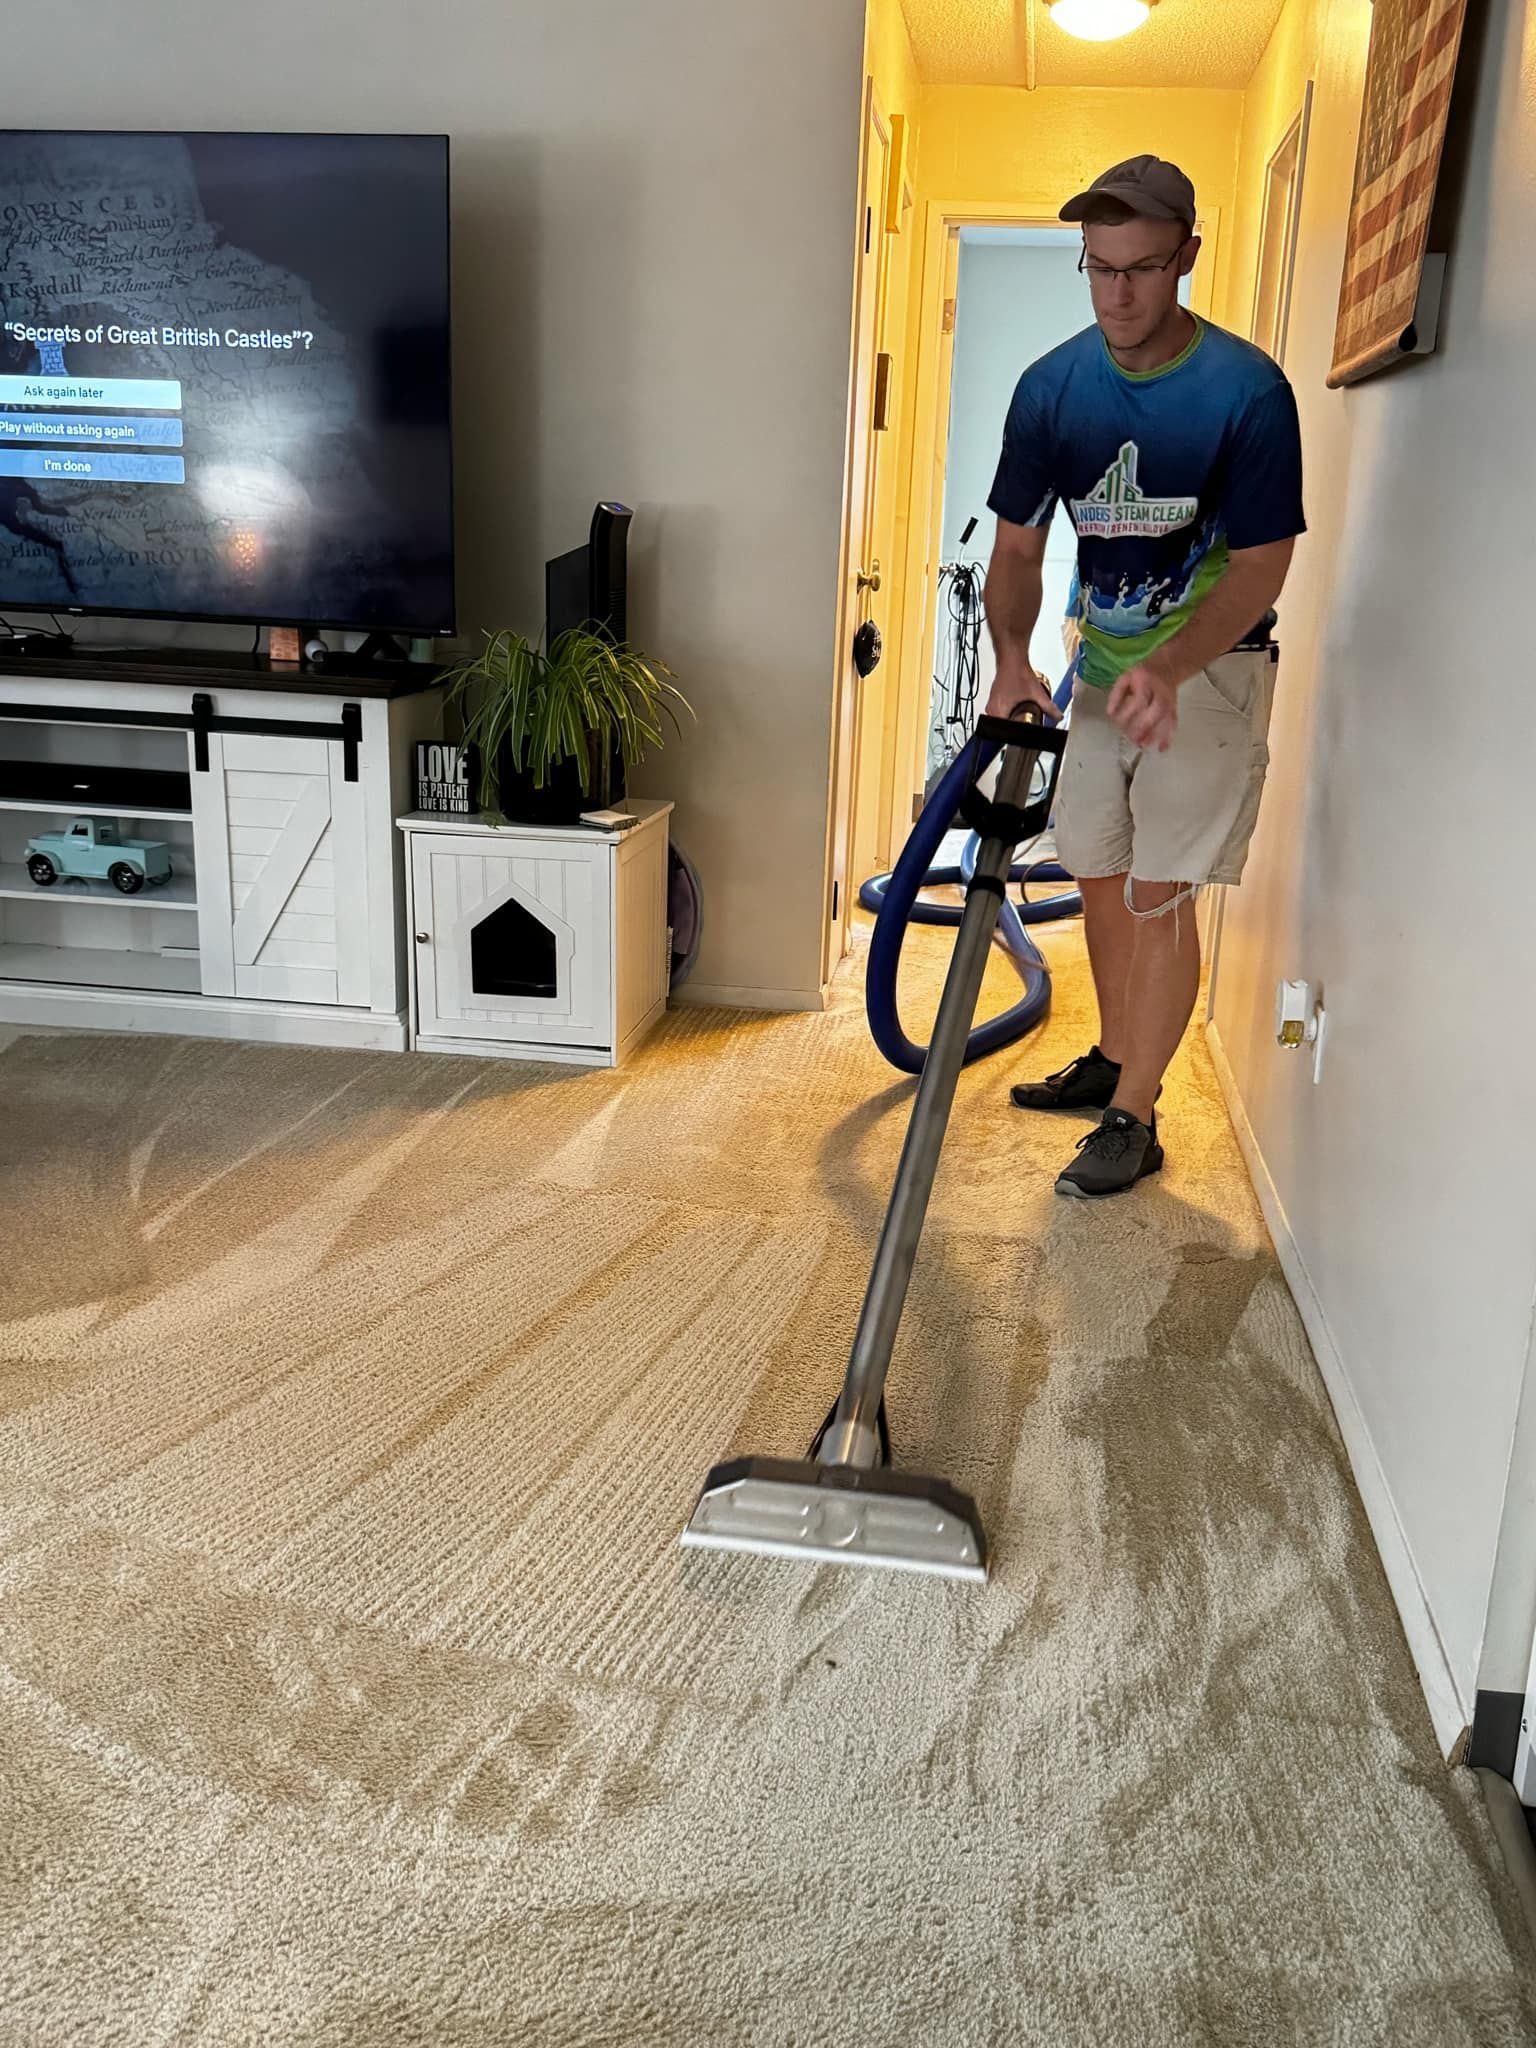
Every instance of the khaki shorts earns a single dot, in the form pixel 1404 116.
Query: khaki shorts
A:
pixel 1185 816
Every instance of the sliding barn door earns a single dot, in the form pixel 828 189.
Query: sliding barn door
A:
pixel 282 878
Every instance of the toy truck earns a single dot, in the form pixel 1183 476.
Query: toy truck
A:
pixel 91 851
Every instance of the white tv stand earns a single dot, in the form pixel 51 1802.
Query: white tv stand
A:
pixel 276 790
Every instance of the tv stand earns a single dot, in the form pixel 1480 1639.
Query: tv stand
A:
pixel 29 645
pixel 221 668
pixel 275 791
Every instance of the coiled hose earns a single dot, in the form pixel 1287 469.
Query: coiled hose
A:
pixel 895 900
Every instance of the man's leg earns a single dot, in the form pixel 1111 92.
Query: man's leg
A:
pixel 1160 989
pixel 1093 835
pixel 1193 810
pixel 1111 932
pixel 1159 994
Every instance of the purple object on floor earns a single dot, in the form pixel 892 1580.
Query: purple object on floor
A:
pixel 685 913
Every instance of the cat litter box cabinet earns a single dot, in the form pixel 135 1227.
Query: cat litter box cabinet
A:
pixel 539 942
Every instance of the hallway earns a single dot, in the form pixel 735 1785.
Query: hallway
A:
pixel 354 1688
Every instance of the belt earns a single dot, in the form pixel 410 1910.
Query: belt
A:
pixel 1259 638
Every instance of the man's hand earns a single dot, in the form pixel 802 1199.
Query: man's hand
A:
pixel 1144 703
pixel 1145 706
pixel 1016 685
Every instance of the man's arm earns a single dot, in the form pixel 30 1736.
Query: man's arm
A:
pixel 1144 702
pixel 1013 607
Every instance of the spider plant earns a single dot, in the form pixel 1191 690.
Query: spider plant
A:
pixel 556 723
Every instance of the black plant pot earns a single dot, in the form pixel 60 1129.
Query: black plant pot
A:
pixel 565 794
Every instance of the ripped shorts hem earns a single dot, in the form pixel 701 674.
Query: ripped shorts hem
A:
pixel 1183 893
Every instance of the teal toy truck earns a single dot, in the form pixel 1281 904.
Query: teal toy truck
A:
pixel 90 851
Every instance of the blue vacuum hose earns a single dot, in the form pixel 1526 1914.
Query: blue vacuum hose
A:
pixel 894 900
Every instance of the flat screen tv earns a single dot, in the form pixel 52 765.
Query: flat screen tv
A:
pixel 224 378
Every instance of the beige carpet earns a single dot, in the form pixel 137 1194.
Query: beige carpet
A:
pixel 354 1695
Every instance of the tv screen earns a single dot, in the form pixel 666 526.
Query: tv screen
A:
pixel 224 377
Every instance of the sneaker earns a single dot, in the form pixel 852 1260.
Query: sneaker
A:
pixel 1088 1083
pixel 1118 1153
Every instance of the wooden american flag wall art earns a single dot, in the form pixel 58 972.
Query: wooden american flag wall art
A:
pixel 1389 296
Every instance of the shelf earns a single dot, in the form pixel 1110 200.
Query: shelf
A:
pixel 643 811
pixel 177 894
pixel 97 786
pixel 79 810
pixel 101 967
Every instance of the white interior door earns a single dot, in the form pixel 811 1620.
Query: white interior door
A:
pixel 282 871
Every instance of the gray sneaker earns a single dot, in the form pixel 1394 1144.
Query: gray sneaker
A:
pixel 1116 1154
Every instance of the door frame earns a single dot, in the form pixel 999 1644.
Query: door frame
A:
pixel 843 756
pixel 930 432
pixel 1301 128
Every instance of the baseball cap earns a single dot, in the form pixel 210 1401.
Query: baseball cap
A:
pixel 1146 185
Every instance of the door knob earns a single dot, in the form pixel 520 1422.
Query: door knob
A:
pixel 423 938
pixel 870 579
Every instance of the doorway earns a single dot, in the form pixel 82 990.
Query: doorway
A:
pixel 1017 295
pixel 1277 235
pixel 1019 244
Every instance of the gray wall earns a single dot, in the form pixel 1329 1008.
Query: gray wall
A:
pixel 653 219
pixel 1393 864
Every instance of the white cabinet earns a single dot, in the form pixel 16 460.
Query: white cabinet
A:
pixel 283 918
pixel 537 942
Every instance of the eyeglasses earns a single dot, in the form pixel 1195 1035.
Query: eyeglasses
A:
pixel 1101 273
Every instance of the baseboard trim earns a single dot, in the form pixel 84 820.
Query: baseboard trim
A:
pixel 1447 1709
pixel 719 995
pixel 1512 1829
pixel 515 1049
pixel 45 1005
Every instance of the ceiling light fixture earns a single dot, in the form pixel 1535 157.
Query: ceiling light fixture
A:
pixel 1099 21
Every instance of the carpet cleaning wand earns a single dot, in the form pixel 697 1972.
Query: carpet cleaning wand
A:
pixel 842 1504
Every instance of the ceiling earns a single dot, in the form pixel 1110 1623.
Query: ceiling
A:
pixel 1186 42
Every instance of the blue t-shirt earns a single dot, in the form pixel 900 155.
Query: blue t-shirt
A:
pixel 1162 473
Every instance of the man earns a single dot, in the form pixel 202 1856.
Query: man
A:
pixel 1176 449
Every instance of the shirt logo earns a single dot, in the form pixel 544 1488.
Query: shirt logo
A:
pixel 1117 509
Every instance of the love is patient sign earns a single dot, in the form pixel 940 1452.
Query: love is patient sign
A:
pixel 445 778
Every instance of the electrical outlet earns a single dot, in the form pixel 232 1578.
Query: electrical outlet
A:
pixel 1293 1007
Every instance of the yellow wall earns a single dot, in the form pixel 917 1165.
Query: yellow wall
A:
pixel 889 59
pixel 1000 142
pixel 1271 103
